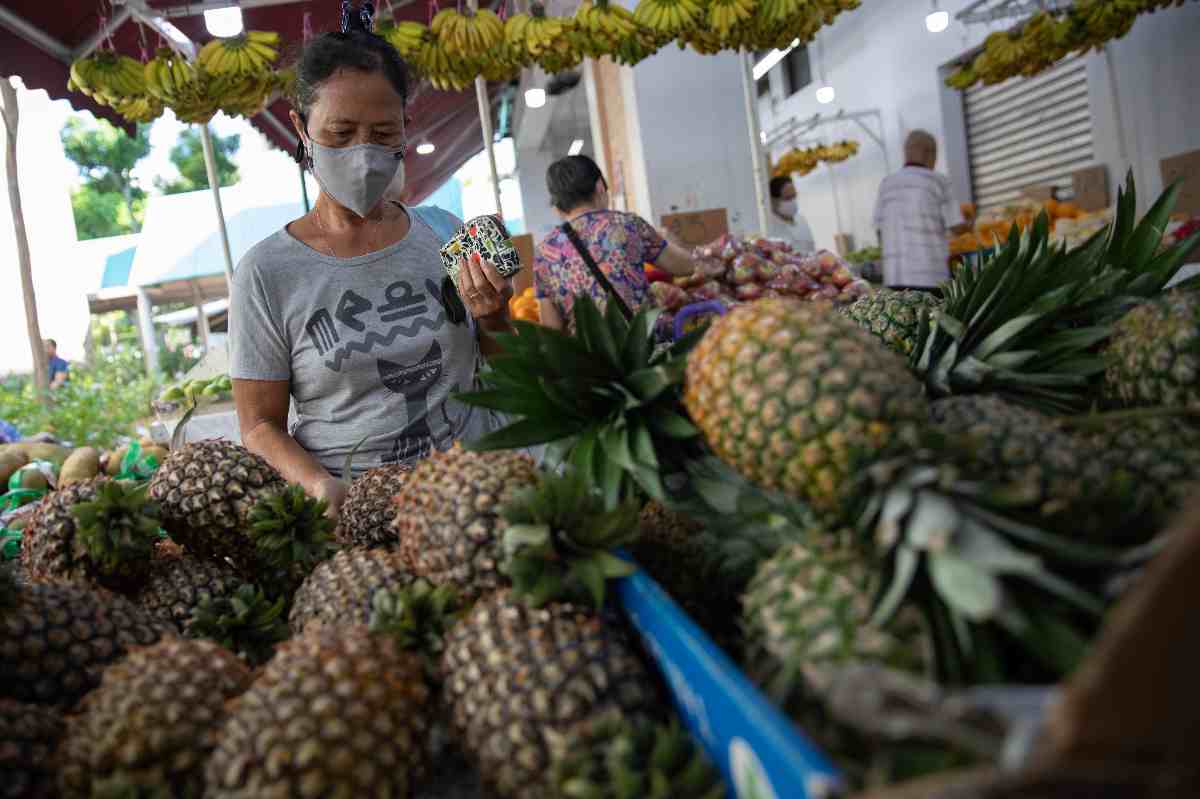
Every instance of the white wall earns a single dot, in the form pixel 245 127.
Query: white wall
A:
pixel 695 135
pixel 531 174
pixel 881 57
pixel 45 178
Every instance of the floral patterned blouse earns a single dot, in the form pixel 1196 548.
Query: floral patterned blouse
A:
pixel 619 243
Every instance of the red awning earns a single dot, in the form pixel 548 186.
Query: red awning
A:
pixel 447 119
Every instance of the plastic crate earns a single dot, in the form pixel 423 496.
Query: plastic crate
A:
pixel 759 751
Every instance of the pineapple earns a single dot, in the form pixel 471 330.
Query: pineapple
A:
pixel 29 736
pixel 336 712
pixel 1025 323
pixel 1153 357
pixel 246 622
pixel 517 678
pixel 633 759
pixel 447 516
pixel 892 316
pixel 206 491
pixel 56 640
pixel 291 533
pixel 1074 488
pixel 366 515
pixel 797 398
pixel 98 532
pixel 153 721
pixel 340 590
pixel 179 583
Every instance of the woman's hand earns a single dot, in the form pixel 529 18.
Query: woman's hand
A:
pixel 333 491
pixel 483 290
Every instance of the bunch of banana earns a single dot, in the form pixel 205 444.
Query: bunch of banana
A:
pixel 539 34
pixel 470 33
pixel 169 76
pixel 252 53
pixel 139 109
pixel 107 77
pixel 443 71
pixel 725 15
pixel 406 36
pixel 838 152
pixel 604 25
pixel 672 17
pixel 703 41
pixel 244 95
pixel 636 48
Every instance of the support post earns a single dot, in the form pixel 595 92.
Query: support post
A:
pixel 201 317
pixel 145 312
pixel 758 159
pixel 485 123
pixel 210 165
pixel 12 116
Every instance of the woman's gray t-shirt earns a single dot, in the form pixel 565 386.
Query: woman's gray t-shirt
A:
pixel 365 342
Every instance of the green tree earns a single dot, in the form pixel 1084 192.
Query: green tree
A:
pixel 188 157
pixel 110 201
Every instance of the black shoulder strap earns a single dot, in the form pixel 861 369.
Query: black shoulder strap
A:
pixel 582 249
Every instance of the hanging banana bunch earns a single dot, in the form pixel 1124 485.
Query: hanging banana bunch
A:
pixel 550 42
pixel 406 36
pixel 602 26
pixel 672 17
pixel 802 161
pixel 252 53
pixel 473 33
pixel 725 15
pixel 107 77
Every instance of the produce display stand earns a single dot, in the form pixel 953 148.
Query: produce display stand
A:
pixel 760 752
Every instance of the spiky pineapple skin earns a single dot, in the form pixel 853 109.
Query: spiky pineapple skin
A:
pixel 339 591
pixel 29 737
pixel 180 582
pixel 892 316
pixel 1162 455
pixel 797 398
pixel 334 713
pixel 1064 476
pixel 448 516
pixel 366 515
pixel 515 677
pixel 53 552
pixel 1153 357
pixel 153 720
pixel 56 640
pixel 205 492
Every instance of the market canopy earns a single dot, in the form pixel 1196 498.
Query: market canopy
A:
pixel 40 38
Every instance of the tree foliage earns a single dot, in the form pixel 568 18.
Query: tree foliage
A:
pixel 188 157
pixel 109 202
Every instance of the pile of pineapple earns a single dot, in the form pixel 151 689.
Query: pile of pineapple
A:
pixel 942 492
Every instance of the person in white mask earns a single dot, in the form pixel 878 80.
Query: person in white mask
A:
pixel 786 221
pixel 347 310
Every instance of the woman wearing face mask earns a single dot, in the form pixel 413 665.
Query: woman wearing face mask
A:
pixel 786 221
pixel 596 251
pixel 347 310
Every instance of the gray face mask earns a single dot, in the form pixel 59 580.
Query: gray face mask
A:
pixel 355 176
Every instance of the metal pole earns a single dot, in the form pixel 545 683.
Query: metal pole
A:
pixel 837 206
pixel 304 191
pixel 210 165
pixel 485 122
pixel 757 157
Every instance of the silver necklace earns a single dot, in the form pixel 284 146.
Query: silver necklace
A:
pixel 329 239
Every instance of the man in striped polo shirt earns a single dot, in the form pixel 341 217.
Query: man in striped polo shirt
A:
pixel 913 216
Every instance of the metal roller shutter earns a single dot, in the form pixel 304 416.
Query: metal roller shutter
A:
pixel 1028 131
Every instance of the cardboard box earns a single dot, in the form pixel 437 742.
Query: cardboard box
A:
pixel 695 228
pixel 1038 193
pixel 1186 168
pixel 523 279
pixel 1091 188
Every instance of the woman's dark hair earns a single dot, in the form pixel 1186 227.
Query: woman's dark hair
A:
pixel 354 47
pixel 572 181
pixel 777 185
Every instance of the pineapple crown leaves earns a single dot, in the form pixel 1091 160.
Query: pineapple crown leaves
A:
pixel 417 616
pixel 1027 321
pixel 632 759
pixel 290 530
pixel 246 622
pixel 606 393
pixel 558 540
pixel 117 525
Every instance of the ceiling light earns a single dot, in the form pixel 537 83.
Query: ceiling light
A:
pixel 576 147
pixel 826 95
pixel 425 148
pixel 535 98
pixel 937 21
pixel 223 22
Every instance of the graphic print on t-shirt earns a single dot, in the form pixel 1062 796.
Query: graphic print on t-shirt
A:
pixel 401 303
pixel 407 313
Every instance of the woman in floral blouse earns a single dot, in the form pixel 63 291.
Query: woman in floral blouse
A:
pixel 619 243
